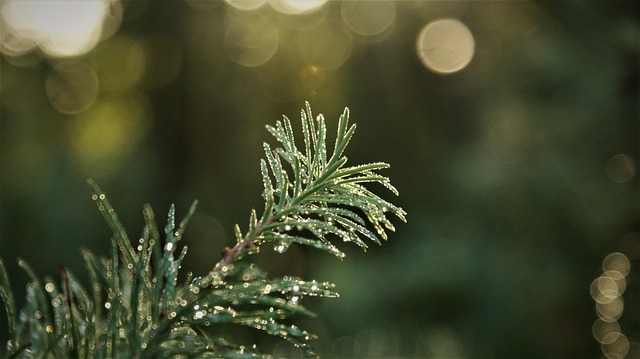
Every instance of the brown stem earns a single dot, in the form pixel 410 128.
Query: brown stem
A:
pixel 228 255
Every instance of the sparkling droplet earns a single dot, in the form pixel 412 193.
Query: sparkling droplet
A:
pixel 287 228
pixel 102 196
pixel 168 246
pixel 107 305
pixel 94 197
pixel 281 247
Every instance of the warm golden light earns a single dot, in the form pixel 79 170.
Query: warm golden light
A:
pixel 61 28
pixel 296 6
pixel 328 45
pixel 368 18
pixel 445 46
pixel 246 5
pixel 105 134
pixel 312 77
pixel 250 41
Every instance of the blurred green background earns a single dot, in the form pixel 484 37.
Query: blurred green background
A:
pixel 511 128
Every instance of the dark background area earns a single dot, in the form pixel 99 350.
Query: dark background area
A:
pixel 519 172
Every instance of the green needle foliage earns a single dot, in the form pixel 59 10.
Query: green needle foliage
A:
pixel 135 307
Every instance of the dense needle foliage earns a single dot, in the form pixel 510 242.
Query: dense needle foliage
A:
pixel 135 306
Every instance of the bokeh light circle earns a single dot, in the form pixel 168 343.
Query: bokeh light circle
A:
pixel 445 46
pixel 72 87
pixel 246 5
pixel 328 46
pixel 250 41
pixel 617 349
pixel 605 332
pixel 368 18
pixel 616 261
pixel 120 63
pixel 61 28
pixel 293 7
pixel 621 168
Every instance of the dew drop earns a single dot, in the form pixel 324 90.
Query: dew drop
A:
pixel 107 305
pixel 94 197
pixel 287 228
pixel 168 246
pixel 281 247
pixel 49 287
pixel 102 196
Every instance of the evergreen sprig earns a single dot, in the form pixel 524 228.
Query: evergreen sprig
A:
pixel 136 308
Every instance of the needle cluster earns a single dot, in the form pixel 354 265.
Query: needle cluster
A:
pixel 135 307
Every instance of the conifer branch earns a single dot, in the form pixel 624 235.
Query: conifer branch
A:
pixel 136 308
pixel 323 198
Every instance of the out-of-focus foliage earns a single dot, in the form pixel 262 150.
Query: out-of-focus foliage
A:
pixel 519 167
